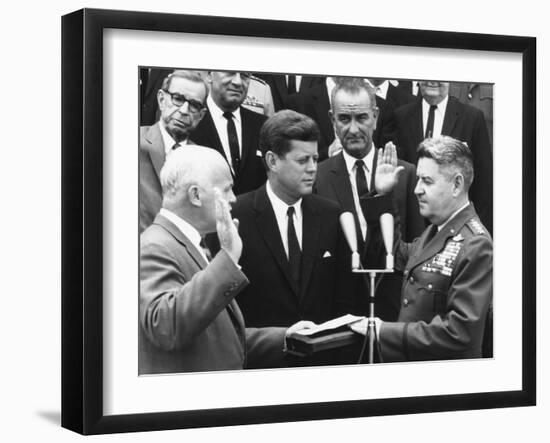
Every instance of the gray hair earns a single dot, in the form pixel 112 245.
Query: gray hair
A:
pixel 193 76
pixel 449 152
pixel 187 166
pixel 353 85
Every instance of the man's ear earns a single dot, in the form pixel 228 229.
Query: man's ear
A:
pixel 161 99
pixel 271 160
pixel 375 114
pixel 458 184
pixel 194 195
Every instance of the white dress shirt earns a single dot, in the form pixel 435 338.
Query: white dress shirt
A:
pixel 298 81
pixel 186 229
pixel 280 208
pixel 221 126
pixel 352 168
pixel 439 115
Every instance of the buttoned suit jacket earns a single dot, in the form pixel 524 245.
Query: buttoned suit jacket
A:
pixel 333 182
pixel 464 123
pixel 446 294
pixel 189 320
pixel 272 299
pixel 315 103
pixel 251 172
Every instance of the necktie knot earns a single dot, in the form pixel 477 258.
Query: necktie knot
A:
pixel 228 115
pixel 359 163
pixel 176 146
pixel 290 211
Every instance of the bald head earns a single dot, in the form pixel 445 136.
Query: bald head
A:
pixel 188 179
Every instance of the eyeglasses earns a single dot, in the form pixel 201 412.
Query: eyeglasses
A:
pixel 179 100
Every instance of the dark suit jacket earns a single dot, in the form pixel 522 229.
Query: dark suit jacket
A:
pixel 277 83
pixel 333 182
pixel 397 96
pixel 272 299
pixel 251 174
pixel 315 103
pixel 464 123
pixel 188 319
pixel 151 81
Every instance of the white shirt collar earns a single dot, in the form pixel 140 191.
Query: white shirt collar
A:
pixel 382 89
pixel 279 206
pixel 453 215
pixel 186 229
pixel 441 107
pixel 367 159
pixel 217 112
pixel 167 139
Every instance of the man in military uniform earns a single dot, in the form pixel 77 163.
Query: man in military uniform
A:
pixel 448 270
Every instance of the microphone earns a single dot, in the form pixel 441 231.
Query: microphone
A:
pixel 386 225
pixel 348 226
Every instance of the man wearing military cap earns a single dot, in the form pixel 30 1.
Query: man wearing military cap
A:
pixel 448 271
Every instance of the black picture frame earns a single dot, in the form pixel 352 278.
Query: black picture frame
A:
pixel 82 220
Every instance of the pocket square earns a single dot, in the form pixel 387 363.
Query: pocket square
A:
pixel 327 254
pixel 258 153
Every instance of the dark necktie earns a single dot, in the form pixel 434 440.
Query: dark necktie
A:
pixel 360 178
pixel 294 251
pixel 291 88
pixel 233 141
pixel 430 126
pixel 176 146
pixel 431 233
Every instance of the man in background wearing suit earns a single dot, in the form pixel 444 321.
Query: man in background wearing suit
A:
pixel 188 318
pixel 349 176
pixel 294 252
pixel 440 114
pixel 181 101
pixel 233 130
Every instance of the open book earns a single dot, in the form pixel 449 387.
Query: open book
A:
pixel 331 325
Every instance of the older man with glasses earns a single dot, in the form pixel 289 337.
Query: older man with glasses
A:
pixel 181 102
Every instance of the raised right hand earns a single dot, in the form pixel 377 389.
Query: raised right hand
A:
pixel 387 171
pixel 227 228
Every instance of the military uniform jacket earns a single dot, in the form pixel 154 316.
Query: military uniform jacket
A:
pixel 446 292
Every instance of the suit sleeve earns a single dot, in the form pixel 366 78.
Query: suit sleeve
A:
pixel 175 308
pixel 452 334
pixel 264 348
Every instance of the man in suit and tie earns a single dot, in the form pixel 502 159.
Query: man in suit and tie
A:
pixel 188 318
pixel 316 104
pixel 348 177
pixel 390 91
pixel 233 130
pixel 440 114
pixel 181 102
pixel 294 253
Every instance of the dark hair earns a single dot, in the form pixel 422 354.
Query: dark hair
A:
pixel 284 126
pixel 353 85
pixel 447 151
pixel 193 76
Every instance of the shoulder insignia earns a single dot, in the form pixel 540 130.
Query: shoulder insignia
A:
pixel 458 237
pixel 258 79
pixel 475 225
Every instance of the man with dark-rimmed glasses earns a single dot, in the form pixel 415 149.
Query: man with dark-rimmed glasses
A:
pixel 181 101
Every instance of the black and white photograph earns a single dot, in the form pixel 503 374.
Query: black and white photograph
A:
pixel 275 221
pixel 295 220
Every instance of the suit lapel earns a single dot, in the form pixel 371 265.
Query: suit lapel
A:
pixel 181 238
pixel 451 116
pixel 268 228
pixel 157 152
pixel 311 229
pixel 212 134
pixel 247 138
pixel 416 126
